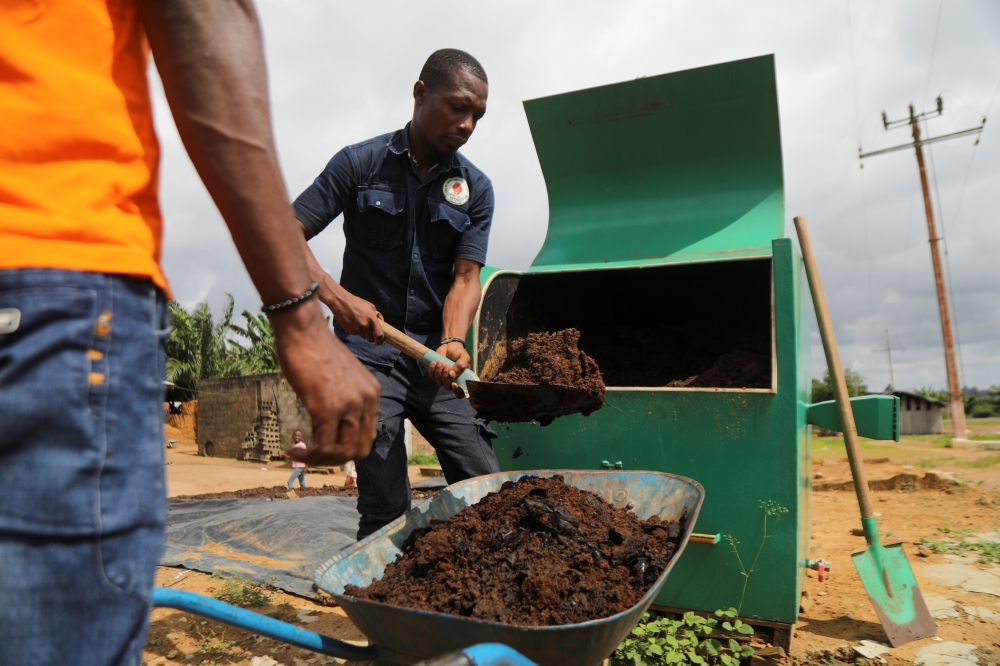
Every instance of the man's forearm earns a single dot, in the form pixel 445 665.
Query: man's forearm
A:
pixel 330 291
pixel 210 57
pixel 461 303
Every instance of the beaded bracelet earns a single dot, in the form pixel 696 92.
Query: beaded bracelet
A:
pixel 309 293
pixel 445 341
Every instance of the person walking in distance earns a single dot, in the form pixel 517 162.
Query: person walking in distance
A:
pixel 298 467
pixel 83 298
pixel 417 216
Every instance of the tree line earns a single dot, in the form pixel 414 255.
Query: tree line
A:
pixel 979 403
pixel 200 347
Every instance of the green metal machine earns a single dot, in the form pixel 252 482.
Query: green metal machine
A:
pixel 666 217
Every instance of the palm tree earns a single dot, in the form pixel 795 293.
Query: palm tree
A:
pixel 259 356
pixel 200 348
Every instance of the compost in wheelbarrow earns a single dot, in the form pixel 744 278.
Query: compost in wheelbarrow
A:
pixel 410 635
pixel 539 552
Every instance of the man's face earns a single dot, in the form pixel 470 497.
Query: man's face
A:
pixel 446 116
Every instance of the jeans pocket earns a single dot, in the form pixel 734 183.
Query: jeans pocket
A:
pixel 47 374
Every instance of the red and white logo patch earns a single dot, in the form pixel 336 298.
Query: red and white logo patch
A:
pixel 456 191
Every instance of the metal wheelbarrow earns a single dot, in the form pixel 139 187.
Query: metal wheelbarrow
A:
pixel 406 636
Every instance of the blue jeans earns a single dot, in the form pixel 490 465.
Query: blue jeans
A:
pixel 463 441
pixel 81 391
pixel 300 473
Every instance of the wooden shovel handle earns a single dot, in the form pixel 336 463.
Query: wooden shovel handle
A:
pixel 836 370
pixel 423 354
pixel 403 342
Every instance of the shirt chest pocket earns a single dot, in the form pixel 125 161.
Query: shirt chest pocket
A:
pixel 445 229
pixel 381 223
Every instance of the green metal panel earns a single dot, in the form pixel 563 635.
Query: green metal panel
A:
pixel 876 416
pixel 669 167
pixel 744 447
pixel 674 169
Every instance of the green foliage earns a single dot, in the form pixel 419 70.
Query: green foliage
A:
pixel 207 642
pixel 241 591
pixel 201 348
pixel 955 542
pixel 823 390
pixel 419 458
pixel 690 639
pixel 285 612
pixel 981 408
pixel 933 393
pixel 771 509
pixel 258 355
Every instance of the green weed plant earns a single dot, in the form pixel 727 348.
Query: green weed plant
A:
pixel 689 639
pixel 241 591
pixel 771 509
pixel 956 543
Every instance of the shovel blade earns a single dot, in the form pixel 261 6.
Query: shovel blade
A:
pixel 519 403
pixel 893 590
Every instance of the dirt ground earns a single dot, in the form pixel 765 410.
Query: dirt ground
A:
pixel 191 474
pixel 963 593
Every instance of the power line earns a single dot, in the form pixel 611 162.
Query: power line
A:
pixel 930 67
pixel 906 252
pixel 864 189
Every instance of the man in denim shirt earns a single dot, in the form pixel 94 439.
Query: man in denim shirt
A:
pixel 417 219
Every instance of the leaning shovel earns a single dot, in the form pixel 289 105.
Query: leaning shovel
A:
pixel 886 574
pixel 508 403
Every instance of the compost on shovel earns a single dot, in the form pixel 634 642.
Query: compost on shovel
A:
pixel 538 377
pixel 538 552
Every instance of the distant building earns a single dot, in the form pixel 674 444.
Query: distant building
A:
pixel 249 418
pixel 919 415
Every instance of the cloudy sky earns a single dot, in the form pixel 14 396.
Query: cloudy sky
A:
pixel 343 72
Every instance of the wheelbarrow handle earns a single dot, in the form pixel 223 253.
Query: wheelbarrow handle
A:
pixel 484 654
pixel 260 624
pixel 415 350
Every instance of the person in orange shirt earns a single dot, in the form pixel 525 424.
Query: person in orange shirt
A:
pixel 82 300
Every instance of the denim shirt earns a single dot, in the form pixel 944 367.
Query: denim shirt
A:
pixel 403 233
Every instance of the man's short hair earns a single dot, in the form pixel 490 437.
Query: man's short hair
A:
pixel 443 62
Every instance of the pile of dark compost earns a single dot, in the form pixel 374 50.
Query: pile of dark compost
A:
pixel 538 552
pixel 680 355
pixel 281 492
pixel 735 369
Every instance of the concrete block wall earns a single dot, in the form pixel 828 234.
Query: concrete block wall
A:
pixel 228 407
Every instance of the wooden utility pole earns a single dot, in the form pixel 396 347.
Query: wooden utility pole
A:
pixel 951 367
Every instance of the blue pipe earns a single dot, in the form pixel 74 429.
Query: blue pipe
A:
pixel 263 625
pixel 497 654
pixel 484 654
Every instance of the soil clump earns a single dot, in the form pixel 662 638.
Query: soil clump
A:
pixel 281 492
pixel 550 358
pixel 538 552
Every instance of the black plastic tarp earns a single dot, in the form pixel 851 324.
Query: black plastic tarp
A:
pixel 281 542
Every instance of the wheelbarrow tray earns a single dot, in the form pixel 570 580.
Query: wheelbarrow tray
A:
pixel 408 635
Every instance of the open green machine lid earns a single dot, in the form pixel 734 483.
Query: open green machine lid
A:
pixel 674 167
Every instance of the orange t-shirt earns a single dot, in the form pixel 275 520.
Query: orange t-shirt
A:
pixel 78 154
